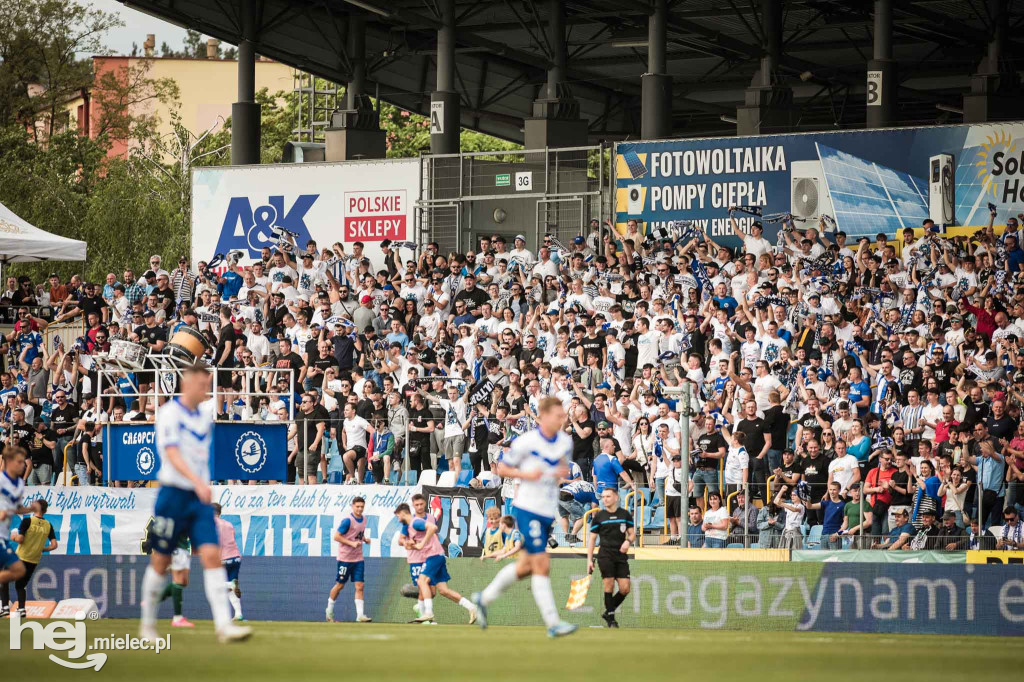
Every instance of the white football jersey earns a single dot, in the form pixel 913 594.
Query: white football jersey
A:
pixel 533 452
pixel 191 431
pixel 11 492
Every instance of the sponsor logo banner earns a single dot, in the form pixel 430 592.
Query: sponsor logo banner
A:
pixel 904 598
pixel 869 181
pixel 248 208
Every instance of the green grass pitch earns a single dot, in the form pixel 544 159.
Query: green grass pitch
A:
pixel 453 653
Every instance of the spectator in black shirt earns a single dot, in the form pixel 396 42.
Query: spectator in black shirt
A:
pixel 530 353
pixel 320 360
pixel 712 448
pixel 592 343
pixel 697 340
pixel 63 419
pixel 165 295
pixel 776 420
pixel 581 428
pixel 471 296
pixel 1000 425
pixel 815 473
pixel 759 441
pixel 789 472
pixel 344 347
pixel 40 452
pixel 18 431
pixel 154 337
pixel 421 425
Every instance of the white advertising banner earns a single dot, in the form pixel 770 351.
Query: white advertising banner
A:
pixel 354 201
pixel 269 520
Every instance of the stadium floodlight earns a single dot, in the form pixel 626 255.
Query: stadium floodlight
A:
pixel 950 109
pixel 629 43
pixel 727 119
pixel 370 7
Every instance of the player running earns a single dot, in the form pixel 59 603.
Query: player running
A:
pixel 538 459
pixel 419 537
pixel 34 536
pixel 231 559
pixel 350 538
pixel 614 525
pixel 181 564
pixel 184 433
pixel 12 489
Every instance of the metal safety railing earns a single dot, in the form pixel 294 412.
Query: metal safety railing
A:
pixel 637 497
pixel 586 533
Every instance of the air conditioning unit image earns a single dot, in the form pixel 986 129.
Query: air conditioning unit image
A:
pixel 808 192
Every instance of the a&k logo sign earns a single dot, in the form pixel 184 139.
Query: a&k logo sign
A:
pixel 250 229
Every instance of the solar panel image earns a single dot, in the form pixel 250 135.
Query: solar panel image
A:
pixel 970 188
pixel 868 198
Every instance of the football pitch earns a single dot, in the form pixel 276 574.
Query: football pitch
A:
pixel 287 650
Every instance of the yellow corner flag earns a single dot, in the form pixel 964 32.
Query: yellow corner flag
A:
pixel 578 593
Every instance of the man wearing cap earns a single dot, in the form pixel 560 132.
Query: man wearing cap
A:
pixel 183 282
pixel 951 537
pixel 363 316
pixel 579 245
pixel 471 295
pixel 927 537
pixel 753 239
pixel 900 534
pixel 520 252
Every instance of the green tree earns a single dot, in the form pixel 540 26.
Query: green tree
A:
pixel 40 44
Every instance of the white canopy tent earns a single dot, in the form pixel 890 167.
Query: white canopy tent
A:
pixel 22 242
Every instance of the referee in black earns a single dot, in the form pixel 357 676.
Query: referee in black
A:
pixel 615 528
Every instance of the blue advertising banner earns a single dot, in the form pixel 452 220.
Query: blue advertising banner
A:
pixel 131 453
pixel 246 452
pixel 240 452
pixel 869 181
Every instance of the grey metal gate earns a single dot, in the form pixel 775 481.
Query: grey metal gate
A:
pixel 561 217
pixel 522 192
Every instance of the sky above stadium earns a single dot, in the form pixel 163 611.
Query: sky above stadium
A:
pixel 136 25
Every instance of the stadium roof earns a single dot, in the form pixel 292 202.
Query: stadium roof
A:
pixel 713 52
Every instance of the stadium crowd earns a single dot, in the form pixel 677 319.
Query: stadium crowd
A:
pixel 820 370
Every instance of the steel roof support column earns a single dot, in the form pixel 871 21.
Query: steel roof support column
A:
pixel 556 118
pixel 656 84
pixel 245 113
pixel 355 131
pixel 995 88
pixel 768 105
pixel 444 102
pixel 882 80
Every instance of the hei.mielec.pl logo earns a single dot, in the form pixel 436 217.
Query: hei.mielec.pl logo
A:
pixel 69 637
